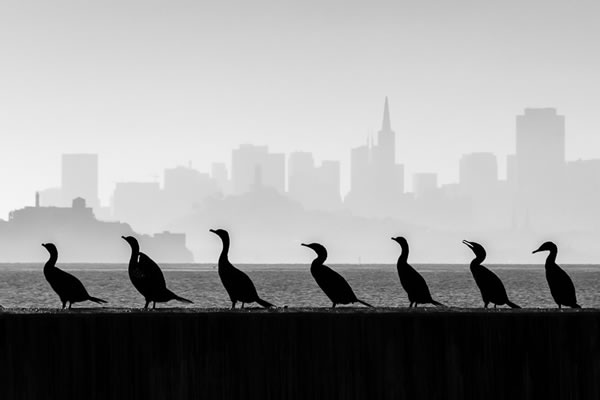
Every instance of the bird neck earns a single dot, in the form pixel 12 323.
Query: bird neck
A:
pixel 403 259
pixel 477 261
pixel 135 252
pixel 51 263
pixel 319 261
pixel 224 257
pixel 551 259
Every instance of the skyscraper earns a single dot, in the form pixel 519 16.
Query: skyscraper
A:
pixel 80 178
pixel 184 187
pixel 360 171
pixel 540 155
pixel 301 166
pixel 385 151
pixel 316 188
pixel 478 173
pixel 424 184
pixel 249 162
pixel 377 181
pixel 219 174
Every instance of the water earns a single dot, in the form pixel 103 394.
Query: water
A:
pixel 24 285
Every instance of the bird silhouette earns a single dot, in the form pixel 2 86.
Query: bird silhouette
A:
pixel 147 277
pixel 238 285
pixel 491 287
pixel 561 285
pixel 68 287
pixel 333 284
pixel 412 282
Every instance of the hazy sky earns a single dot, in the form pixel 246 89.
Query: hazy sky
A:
pixel 153 84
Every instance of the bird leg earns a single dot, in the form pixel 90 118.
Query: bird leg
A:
pixel 333 305
pixel 485 304
pixel 495 306
pixel 70 304
pixel 242 305
pixel 147 303
pixel 64 304
pixel 416 304
pixel 233 302
pixel 153 305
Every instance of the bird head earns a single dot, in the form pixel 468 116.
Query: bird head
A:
pixel 546 246
pixel 400 240
pixel 317 248
pixel 132 241
pixel 222 233
pixel 50 247
pixel 477 249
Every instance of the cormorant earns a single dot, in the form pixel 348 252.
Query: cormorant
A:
pixel 412 282
pixel 238 285
pixel 491 287
pixel 333 284
pixel 68 287
pixel 147 277
pixel 561 285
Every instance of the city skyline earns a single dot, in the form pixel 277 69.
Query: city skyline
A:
pixel 148 85
pixel 260 185
pixel 239 174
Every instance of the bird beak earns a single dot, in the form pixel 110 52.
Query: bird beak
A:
pixel 394 239
pixel 469 245
pixel 43 244
pixel 212 230
pixel 123 237
pixel 304 244
pixel 536 251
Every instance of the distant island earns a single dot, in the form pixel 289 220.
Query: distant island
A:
pixel 80 237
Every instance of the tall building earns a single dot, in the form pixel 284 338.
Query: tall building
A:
pixel 360 171
pixel 424 184
pixel 218 172
pixel 377 181
pixel 540 153
pixel 80 178
pixel 301 168
pixel 478 173
pixel 251 163
pixel 385 151
pixel 316 188
pixel 185 187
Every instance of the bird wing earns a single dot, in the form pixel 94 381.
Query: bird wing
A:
pixel 151 271
pixel 414 284
pixel 71 284
pixel 494 287
pixel 564 289
pixel 334 285
pixel 239 284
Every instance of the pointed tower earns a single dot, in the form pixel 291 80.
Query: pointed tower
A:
pixel 386 139
pixel 386 125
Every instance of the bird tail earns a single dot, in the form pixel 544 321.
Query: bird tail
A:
pixel 365 303
pixel 437 303
pixel 97 300
pixel 512 305
pixel 264 303
pixel 179 298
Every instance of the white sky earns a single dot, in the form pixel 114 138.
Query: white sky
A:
pixel 153 84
